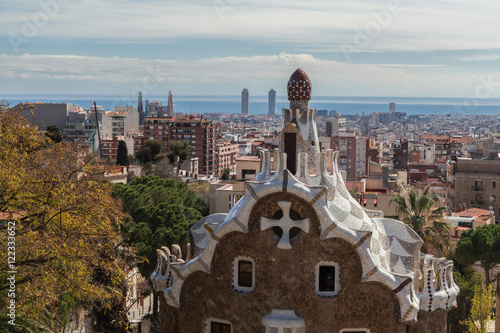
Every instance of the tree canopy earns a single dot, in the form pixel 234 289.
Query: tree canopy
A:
pixel 419 209
pixel 161 212
pixel 66 226
pixel 122 154
pixel 225 174
pixel 480 314
pixel 481 244
pixel 54 133
pixel 178 148
pixel 150 152
pixel 467 279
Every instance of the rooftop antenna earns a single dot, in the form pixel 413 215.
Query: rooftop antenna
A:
pixel 98 132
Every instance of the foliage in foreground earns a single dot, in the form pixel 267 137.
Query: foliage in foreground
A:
pixel 481 310
pixel 161 212
pixel 467 279
pixel 481 244
pixel 66 233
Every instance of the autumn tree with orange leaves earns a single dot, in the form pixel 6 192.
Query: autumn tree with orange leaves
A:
pixel 68 250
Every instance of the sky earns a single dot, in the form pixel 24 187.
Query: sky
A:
pixel 424 48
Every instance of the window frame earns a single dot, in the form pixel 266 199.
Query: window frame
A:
pixel 235 280
pixel 208 324
pixel 337 287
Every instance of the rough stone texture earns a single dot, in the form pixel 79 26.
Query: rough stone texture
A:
pixel 285 279
pixel 434 322
pixel 169 321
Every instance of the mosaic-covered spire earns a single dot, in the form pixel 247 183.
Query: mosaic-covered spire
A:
pixel 299 86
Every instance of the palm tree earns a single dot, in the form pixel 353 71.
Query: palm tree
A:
pixel 420 210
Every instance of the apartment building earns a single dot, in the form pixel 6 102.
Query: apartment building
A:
pixel 200 133
pixel 110 145
pixel 476 184
pixel 227 152
pixel 354 153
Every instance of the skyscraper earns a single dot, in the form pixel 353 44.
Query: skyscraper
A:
pixel 272 103
pixel 170 105
pixel 244 101
pixel 140 109
pixel 392 107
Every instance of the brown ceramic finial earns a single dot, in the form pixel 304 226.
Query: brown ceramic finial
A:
pixel 299 86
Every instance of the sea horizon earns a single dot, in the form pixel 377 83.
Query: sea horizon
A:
pixel 258 104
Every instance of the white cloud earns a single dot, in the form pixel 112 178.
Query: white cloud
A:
pixel 409 26
pixel 481 57
pixel 229 74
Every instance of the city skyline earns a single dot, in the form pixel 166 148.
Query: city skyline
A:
pixel 360 48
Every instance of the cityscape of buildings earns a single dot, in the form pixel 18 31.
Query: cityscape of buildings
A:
pixel 169 168
pixel 457 154
pixel 378 154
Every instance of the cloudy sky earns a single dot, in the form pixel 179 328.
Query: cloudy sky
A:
pixel 436 48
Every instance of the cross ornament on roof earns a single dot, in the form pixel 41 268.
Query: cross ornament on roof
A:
pixel 286 224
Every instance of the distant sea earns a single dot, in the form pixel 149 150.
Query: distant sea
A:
pixel 258 104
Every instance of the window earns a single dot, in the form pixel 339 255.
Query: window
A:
pixel 243 274
pixel 218 326
pixel 355 330
pixel 246 174
pixel 493 184
pixel 283 321
pixel 327 279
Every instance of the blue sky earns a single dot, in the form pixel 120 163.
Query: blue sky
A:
pixel 349 48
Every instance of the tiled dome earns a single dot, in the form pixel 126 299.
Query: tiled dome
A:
pixel 299 86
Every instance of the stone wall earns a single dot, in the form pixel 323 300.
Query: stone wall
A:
pixel 285 279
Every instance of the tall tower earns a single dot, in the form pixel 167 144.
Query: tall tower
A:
pixel 299 134
pixel 272 103
pixel 146 108
pixel 140 109
pixel 244 101
pixel 170 106
pixel 392 107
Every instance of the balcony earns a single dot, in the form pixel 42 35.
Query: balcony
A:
pixel 478 188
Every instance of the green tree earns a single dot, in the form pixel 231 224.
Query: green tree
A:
pixel 54 133
pixel 160 212
pixel 481 244
pixel 150 152
pixel 122 155
pixel 482 304
pixel 467 279
pixel 66 225
pixel 225 174
pixel 178 148
pixel 421 212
